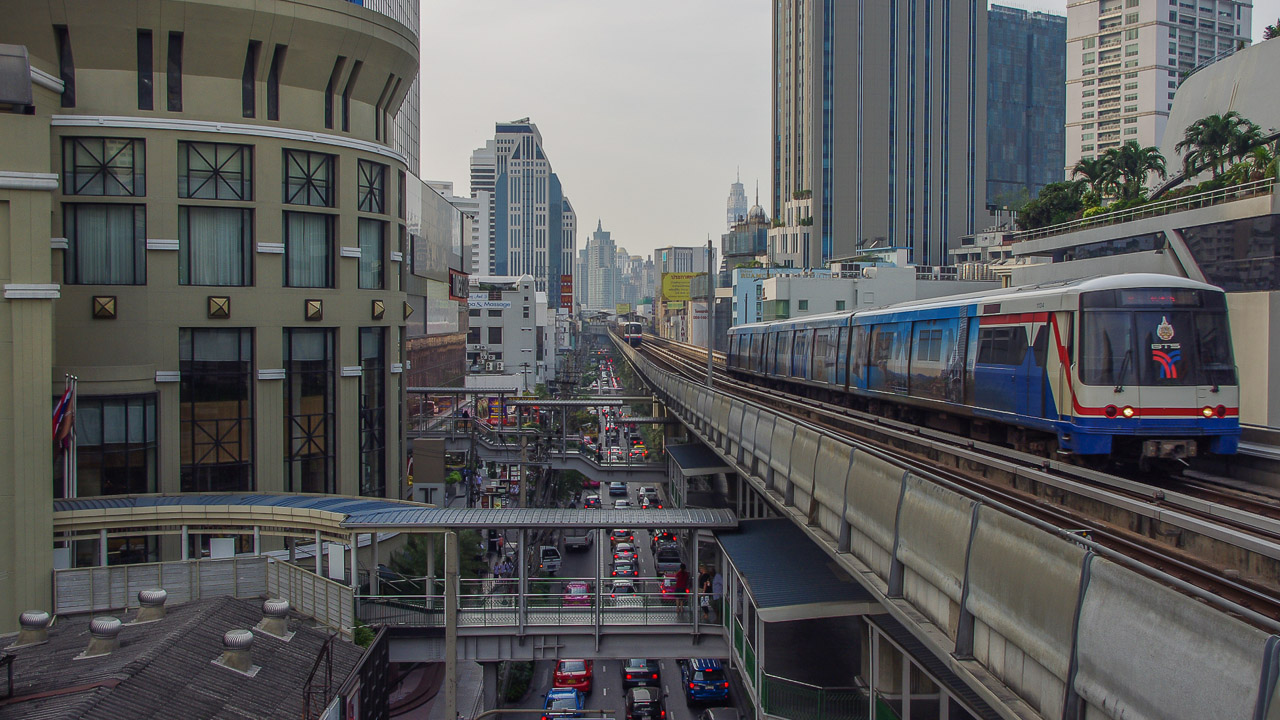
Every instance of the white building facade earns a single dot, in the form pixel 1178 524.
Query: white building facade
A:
pixel 601 270
pixel 507 333
pixel 1126 58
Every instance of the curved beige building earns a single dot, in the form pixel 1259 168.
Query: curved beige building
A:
pixel 202 213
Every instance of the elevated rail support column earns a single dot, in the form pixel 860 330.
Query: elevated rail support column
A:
pixel 523 565
pixel 319 551
pixel 600 537
pixel 355 568
pixel 450 624
pixel 694 608
pixel 431 571
pixel 375 582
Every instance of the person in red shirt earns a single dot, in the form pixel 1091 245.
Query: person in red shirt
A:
pixel 682 587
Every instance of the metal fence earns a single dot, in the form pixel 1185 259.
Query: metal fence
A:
pixel 795 700
pixel 96 589
pixel 328 602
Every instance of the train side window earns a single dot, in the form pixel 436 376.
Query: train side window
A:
pixel 1002 346
pixel 1041 345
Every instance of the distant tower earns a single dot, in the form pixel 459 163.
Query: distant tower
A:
pixel 737 205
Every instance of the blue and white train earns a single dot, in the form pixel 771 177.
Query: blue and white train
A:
pixel 1131 366
pixel 632 333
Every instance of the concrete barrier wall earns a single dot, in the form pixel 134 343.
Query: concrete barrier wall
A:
pixel 750 416
pixel 830 475
pixel 1145 652
pixel 933 540
pixel 804 456
pixel 1023 590
pixel 780 454
pixel 733 435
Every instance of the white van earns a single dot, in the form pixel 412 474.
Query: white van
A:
pixel 549 559
pixel 578 538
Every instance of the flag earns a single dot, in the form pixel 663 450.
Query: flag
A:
pixel 61 411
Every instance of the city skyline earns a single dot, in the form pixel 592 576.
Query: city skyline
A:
pixel 612 140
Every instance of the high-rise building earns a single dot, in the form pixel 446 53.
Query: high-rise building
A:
pixel 484 169
pixel 601 270
pixel 682 259
pixel 226 275
pixel 878 115
pixel 736 205
pixel 1125 59
pixel 1026 103
pixel 533 224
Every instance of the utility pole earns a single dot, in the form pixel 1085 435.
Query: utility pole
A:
pixel 711 315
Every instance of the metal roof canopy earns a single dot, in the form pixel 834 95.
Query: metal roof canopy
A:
pixel 463 391
pixel 604 400
pixel 789 577
pixel 697 459
pixel 442 518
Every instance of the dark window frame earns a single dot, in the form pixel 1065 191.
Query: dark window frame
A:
pixel 346 94
pixel 371 187
pixel 146 70
pixel 273 81
pixel 373 265
pixel 310 436
pixel 66 65
pixel 330 241
pixel 88 448
pixel 184 246
pixel 214 439
pixel 73 274
pixel 90 157
pixel 249 80
pixel 315 177
pixel 217 159
pixel 173 72
pixel 373 411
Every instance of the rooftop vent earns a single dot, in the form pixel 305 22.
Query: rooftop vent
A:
pixel 104 636
pixel 35 628
pixel 151 604
pixel 275 619
pixel 237 647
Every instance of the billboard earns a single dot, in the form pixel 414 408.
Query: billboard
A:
pixel 622 309
pixel 566 291
pixel 675 286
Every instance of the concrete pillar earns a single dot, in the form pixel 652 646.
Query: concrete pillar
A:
pixel 694 609
pixel 450 624
pixel 375 582
pixel 522 564
pixel 102 547
pixel 319 553
pixel 292 544
pixel 257 540
pixel 186 553
pixel 355 568
pixel 431 570
pixel 489 695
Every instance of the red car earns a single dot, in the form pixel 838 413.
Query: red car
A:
pixel 574 674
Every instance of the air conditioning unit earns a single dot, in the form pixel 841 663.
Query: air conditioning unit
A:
pixel 488 366
pixel 499 365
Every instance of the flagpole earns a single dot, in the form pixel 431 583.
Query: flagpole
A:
pixel 72 466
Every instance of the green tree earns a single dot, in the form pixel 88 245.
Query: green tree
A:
pixel 1212 141
pixel 1057 203
pixel 1098 173
pixel 1132 164
pixel 411 560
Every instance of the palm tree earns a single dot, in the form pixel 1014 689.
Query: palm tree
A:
pixel 1132 164
pixel 1271 31
pixel 1212 141
pixel 1258 162
pixel 1097 173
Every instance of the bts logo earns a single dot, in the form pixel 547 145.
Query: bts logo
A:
pixel 1168 363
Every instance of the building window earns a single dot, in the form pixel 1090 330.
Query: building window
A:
pixel 173 74
pixel 1087 58
pixel 1086 136
pixel 1131 131
pixel 308 250
pixel 215 406
pixel 214 246
pixel 1131 108
pixel 371 187
pixel 373 412
pixel 273 82
pixel 1131 86
pixel 495 335
pixel 308 178
pixel 308 412
pixel 495 313
pixel 373 241
pixel 839 305
pixel 1130 75
pixel 146 66
pixel 346 95
pixel 66 65
pixel 1130 18
pixel 104 166
pixel 215 171
pixel 804 305
pixel 332 88
pixel 1131 34
pixel 473 312
pixel 106 244
pixel 1087 43
pixel 116 445
pixel 473 335
pixel 249 80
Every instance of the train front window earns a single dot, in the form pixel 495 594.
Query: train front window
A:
pixel 1106 348
pixel 1156 348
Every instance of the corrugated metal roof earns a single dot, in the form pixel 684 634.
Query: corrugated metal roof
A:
pixel 329 503
pixel 697 459
pixel 783 567
pixel 541 517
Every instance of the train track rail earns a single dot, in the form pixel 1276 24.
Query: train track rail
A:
pixel 1224 541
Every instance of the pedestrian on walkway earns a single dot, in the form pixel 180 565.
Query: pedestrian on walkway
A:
pixel 681 588
pixel 704 591
pixel 717 593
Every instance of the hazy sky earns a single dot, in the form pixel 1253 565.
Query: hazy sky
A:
pixel 647 109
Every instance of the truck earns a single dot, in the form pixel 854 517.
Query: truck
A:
pixel 549 559
pixel 578 538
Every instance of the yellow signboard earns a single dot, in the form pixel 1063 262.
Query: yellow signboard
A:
pixel 622 309
pixel 675 286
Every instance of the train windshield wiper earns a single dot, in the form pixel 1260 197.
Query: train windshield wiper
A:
pixel 1124 367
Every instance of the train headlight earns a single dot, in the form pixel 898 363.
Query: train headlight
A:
pixel 1127 411
pixel 1110 411
pixel 1207 411
pixel 1220 411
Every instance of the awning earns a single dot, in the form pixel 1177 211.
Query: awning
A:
pixel 789 577
pixel 697 459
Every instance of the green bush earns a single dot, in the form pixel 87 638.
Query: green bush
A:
pixel 1094 211
pixel 363 635
pixel 519 675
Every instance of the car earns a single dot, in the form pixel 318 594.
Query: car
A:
pixel 617 488
pixel 647 503
pixel 668 588
pixel 567 702
pixel 661 537
pixel 704 681
pixel 577 594
pixel 549 558
pixel 591 501
pixel 575 674
pixel 641 673
pixel 645 703
pixel 621 536
pixel 615 455
pixel 622 586
pixel 723 713
pixel 591 483
pixel 667 558
pixel 624 551
pixel 625 568
pixel 622 504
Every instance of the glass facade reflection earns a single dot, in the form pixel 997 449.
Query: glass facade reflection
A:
pixel 1026 103
pixel 1238 255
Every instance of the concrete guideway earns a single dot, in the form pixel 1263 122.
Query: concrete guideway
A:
pixel 1035 622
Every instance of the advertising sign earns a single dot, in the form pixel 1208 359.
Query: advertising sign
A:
pixel 622 309
pixel 459 286
pixel 675 286
pixel 566 291
pixel 479 304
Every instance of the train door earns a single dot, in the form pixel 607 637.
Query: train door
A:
pixel 842 357
pixel 999 376
pixel 1037 386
